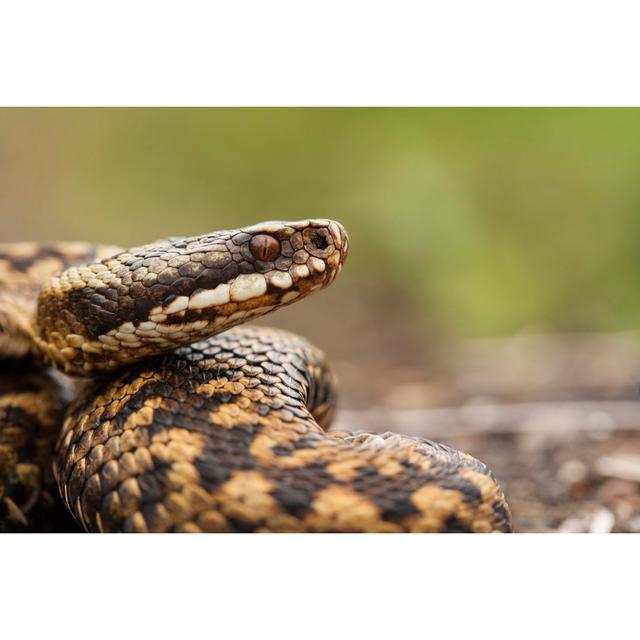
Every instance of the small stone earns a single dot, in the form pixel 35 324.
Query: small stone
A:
pixel 603 521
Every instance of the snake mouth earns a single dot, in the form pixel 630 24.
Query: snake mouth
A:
pixel 153 298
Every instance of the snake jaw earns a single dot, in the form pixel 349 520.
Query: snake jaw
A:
pixel 151 299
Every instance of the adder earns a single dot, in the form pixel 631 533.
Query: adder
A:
pixel 129 380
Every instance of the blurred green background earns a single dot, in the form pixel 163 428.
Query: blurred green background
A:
pixel 472 221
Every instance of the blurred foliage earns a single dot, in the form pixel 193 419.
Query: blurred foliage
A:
pixel 489 221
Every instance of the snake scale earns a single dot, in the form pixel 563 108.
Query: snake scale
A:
pixel 128 388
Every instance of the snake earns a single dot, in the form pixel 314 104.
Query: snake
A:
pixel 135 397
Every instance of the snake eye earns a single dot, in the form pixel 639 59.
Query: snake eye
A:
pixel 264 247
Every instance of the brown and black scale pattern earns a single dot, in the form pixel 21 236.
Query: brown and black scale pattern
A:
pixel 225 435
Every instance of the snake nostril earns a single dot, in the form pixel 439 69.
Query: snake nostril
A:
pixel 319 242
pixel 264 247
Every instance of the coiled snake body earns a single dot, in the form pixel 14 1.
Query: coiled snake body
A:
pixel 187 422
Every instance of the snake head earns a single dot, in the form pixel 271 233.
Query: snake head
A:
pixel 151 299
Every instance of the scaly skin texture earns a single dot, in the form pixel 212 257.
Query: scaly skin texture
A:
pixel 194 424
pixel 221 436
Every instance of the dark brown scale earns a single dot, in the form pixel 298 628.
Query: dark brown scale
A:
pixel 190 270
pixel 216 259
